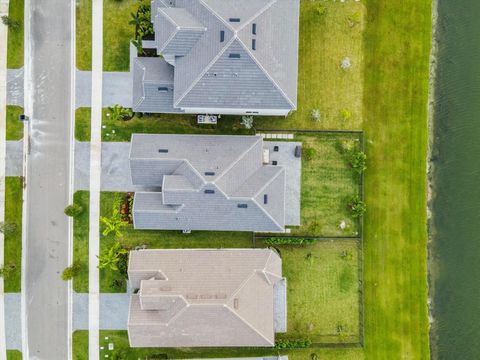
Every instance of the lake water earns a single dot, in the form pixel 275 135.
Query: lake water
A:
pixel 456 208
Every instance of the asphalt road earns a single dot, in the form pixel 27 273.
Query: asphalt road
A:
pixel 48 179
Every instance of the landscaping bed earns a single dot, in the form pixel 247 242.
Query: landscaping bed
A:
pixel 83 36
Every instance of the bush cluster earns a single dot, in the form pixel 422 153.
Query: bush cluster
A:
pixel 292 344
pixel 71 271
pixel 73 210
pixel 289 241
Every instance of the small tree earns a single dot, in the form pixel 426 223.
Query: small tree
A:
pixel 138 45
pixel 316 115
pixel 346 114
pixel 73 210
pixel 8 228
pixel 247 121
pixel 113 224
pixel 309 153
pixel 118 112
pixel 10 23
pixel 111 258
pixel 356 206
pixel 71 271
pixel 314 356
pixel 136 19
pixel 358 161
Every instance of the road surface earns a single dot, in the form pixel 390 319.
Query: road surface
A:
pixel 48 100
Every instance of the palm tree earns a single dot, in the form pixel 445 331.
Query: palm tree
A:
pixel 118 112
pixel 135 19
pixel 113 224
pixel 111 258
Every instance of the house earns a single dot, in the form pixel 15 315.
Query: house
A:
pixel 207 297
pixel 206 182
pixel 220 57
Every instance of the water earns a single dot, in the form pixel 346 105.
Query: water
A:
pixel 456 207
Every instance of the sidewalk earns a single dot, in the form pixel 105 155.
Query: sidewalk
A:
pixel 95 178
pixel 3 115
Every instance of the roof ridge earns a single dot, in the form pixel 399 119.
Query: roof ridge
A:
pixel 173 33
pixel 260 12
pixel 268 214
pixel 214 13
pixel 209 65
pixel 281 169
pixel 241 156
pixel 285 96
pixel 142 98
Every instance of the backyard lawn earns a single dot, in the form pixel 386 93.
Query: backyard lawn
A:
pixel 14 126
pixel 13 241
pixel 323 291
pixel 328 182
pixel 14 355
pixel 15 36
pixel 80 241
pixel 84 34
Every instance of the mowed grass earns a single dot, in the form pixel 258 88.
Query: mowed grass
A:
pixel 14 125
pixel 15 37
pixel 14 355
pixel 84 34
pixel 82 124
pixel 325 40
pixel 80 345
pixel 117 33
pixel 397 46
pixel 13 241
pixel 322 291
pixel 328 182
pixel 80 241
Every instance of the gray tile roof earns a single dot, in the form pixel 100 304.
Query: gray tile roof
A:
pixel 193 298
pixel 207 183
pixel 230 74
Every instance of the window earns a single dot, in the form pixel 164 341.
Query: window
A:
pixel 265 199
pixel 222 36
pixel 242 206
pixel 163 150
pixel 275 148
pixel 209 173
pixel 234 56
pixel 254 29
pixel 274 162
pixel 208 191
pixel 234 19
pixel 254 44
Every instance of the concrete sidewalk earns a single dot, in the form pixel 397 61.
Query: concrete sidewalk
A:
pixel 15 83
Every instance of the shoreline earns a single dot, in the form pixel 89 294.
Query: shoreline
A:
pixel 432 266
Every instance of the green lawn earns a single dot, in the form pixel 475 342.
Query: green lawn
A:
pixel 325 40
pixel 84 34
pixel 13 242
pixel 327 184
pixel 117 33
pixel 80 345
pixel 323 291
pixel 80 241
pixel 15 37
pixel 14 126
pixel 14 355
pixel 82 124
pixel 397 46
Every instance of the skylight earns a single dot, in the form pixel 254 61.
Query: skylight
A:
pixel 234 56
pixel 234 19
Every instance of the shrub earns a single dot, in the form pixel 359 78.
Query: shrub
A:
pixel 10 23
pixel 8 228
pixel 316 115
pixel 357 161
pixel 247 121
pixel 346 114
pixel 356 206
pixel 112 258
pixel 71 271
pixel 308 153
pixel 288 241
pixel 73 210
pixel 314 356
pixel 118 112
pixel 292 344
pixel 7 270
pixel 320 9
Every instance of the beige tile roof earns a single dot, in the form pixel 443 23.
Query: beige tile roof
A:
pixel 191 298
